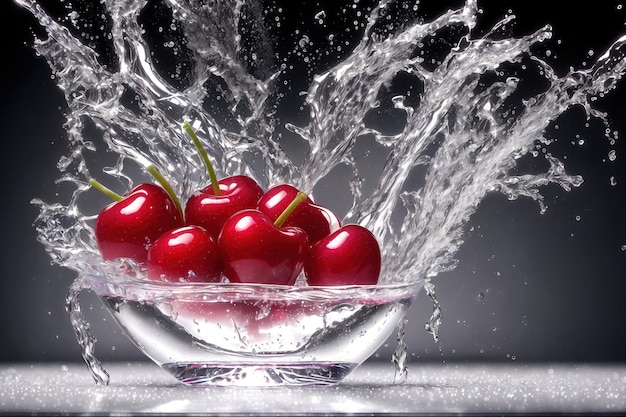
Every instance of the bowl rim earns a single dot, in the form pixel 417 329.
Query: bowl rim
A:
pixel 141 288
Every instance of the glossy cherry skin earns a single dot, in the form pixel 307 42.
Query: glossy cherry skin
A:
pixel 210 211
pixel 187 253
pixel 127 228
pixel 254 250
pixel 348 256
pixel 315 220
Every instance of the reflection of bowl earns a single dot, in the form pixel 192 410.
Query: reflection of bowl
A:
pixel 246 334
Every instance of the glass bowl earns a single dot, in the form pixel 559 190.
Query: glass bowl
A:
pixel 252 334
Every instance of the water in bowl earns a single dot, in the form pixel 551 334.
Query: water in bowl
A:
pixel 249 337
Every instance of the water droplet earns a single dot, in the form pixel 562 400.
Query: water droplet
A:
pixel 612 155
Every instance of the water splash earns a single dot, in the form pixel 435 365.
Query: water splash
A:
pixel 432 326
pixel 400 356
pixel 83 336
pixel 464 134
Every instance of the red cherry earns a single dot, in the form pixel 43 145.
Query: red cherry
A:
pixel 210 211
pixel 127 228
pixel 184 254
pixel 348 256
pixel 214 204
pixel 315 220
pixel 254 250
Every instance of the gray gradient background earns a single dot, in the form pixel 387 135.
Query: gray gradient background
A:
pixel 554 287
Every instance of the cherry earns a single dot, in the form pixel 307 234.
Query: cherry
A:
pixel 256 250
pixel 348 256
pixel 186 253
pixel 213 205
pixel 127 227
pixel 211 211
pixel 315 220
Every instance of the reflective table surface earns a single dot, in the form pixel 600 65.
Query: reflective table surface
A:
pixel 445 389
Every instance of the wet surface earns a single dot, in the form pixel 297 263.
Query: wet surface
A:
pixel 143 388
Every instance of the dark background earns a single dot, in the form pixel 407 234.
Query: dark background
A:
pixel 529 287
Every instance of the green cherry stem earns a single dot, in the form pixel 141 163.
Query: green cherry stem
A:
pixel 104 190
pixel 167 186
pixel 204 156
pixel 300 197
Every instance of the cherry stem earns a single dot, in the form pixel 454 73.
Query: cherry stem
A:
pixel 104 190
pixel 166 185
pixel 300 197
pixel 205 157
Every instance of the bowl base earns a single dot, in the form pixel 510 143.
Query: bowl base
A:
pixel 274 374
